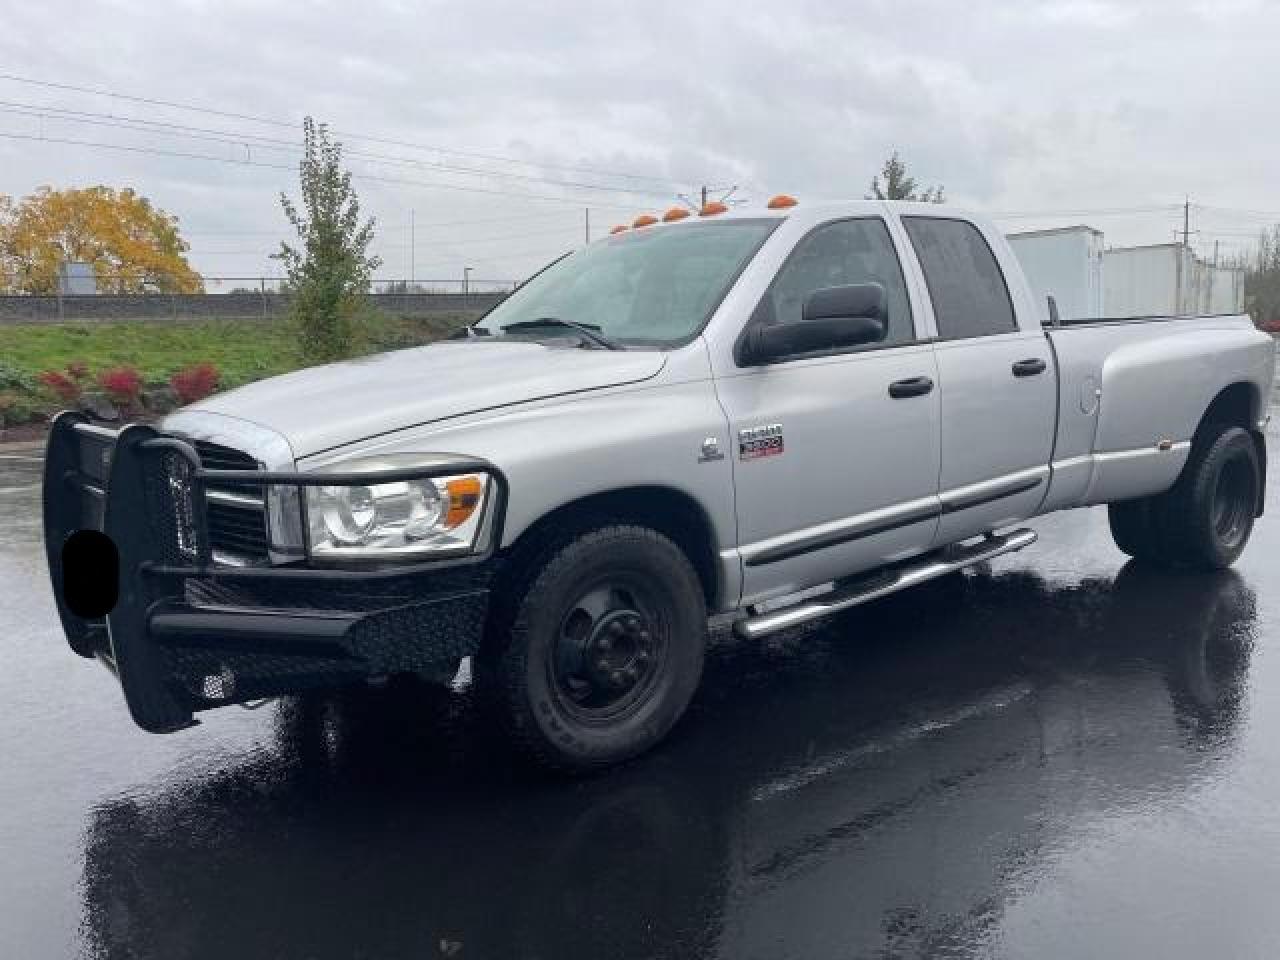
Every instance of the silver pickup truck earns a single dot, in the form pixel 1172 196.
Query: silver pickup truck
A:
pixel 760 417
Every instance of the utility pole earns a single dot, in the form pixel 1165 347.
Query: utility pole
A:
pixel 1181 252
pixel 704 196
pixel 412 246
pixel 1213 279
pixel 586 223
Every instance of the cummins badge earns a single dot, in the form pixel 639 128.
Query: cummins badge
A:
pixel 757 442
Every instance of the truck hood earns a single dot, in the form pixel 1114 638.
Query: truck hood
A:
pixel 323 407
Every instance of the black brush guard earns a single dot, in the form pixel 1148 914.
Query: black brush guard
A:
pixel 186 635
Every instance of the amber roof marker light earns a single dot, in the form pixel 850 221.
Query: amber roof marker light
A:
pixel 620 228
pixel 674 214
pixel 712 208
pixel 644 220
pixel 781 202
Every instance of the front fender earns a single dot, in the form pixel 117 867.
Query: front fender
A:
pixel 554 454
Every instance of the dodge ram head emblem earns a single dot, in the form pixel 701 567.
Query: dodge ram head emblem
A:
pixel 757 442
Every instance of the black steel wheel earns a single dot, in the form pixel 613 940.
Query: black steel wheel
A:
pixel 594 646
pixel 1234 501
pixel 609 650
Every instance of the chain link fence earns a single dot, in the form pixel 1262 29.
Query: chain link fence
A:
pixel 242 298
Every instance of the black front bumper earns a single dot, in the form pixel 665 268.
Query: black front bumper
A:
pixel 184 634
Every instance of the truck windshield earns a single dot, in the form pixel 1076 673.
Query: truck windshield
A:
pixel 650 287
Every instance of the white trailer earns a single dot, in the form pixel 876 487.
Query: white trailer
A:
pixel 1065 263
pixel 1168 279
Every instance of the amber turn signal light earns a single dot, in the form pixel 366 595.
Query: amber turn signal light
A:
pixel 464 497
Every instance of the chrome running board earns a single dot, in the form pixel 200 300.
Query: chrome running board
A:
pixel 880 585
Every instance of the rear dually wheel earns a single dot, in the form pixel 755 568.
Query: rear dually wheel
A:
pixel 1206 518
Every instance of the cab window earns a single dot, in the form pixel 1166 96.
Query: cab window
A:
pixel 836 254
pixel 968 291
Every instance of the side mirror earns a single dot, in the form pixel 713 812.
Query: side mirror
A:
pixel 1054 319
pixel 832 318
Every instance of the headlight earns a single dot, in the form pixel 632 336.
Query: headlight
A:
pixel 404 518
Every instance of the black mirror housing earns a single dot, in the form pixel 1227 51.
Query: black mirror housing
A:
pixel 852 301
pixel 833 318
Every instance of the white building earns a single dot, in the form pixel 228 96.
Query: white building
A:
pixel 77 279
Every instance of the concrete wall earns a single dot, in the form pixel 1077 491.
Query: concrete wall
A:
pixel 217 306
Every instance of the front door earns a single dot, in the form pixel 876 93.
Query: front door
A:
pixel 835 456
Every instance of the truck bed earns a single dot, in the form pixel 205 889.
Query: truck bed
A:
pixel 1131 392
pixel 1141 318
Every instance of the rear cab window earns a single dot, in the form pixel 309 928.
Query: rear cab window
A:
pixel 967 287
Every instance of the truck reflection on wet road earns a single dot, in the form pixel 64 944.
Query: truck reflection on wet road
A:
pixel 1058 756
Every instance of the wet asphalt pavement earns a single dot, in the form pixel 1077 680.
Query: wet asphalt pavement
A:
pixel 1056 756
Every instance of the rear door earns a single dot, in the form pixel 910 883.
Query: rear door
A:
pixel 998 386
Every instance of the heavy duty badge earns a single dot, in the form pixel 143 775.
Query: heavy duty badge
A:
pixel 757 442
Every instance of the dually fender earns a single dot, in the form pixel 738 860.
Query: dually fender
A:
pixel 1154 394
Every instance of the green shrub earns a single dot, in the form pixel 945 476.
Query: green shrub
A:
pixel 17 408
pixel 14 379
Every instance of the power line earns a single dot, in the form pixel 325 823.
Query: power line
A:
pixel 384 228
pixel 1098 212
pixel 1233 233
pixel 375 178
pixel 232 138
pixel 404 246
pixel 275 122
pixel 559 231
pixel 1241 212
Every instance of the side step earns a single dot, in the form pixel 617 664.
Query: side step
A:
pixel 899 578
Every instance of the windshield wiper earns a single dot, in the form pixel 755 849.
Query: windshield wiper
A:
pixel 588 331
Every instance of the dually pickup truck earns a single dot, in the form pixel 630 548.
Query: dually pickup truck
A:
pixel 758 417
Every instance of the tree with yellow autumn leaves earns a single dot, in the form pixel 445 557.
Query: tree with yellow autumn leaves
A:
pixel 132 246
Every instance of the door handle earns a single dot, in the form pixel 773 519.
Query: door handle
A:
pixel 914 387
pixel 1029 368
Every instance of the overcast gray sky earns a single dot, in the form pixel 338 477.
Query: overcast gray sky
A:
pixel 1017 107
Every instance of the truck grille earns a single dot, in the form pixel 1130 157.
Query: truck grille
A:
pixel 237 515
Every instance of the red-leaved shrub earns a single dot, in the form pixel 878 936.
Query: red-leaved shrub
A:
pixel 122 384
pixel 65 388
pixel 195 382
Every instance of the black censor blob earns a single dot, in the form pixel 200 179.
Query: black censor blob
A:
pixel 90 574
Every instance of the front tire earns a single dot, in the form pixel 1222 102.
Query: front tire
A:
pixel 594 646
